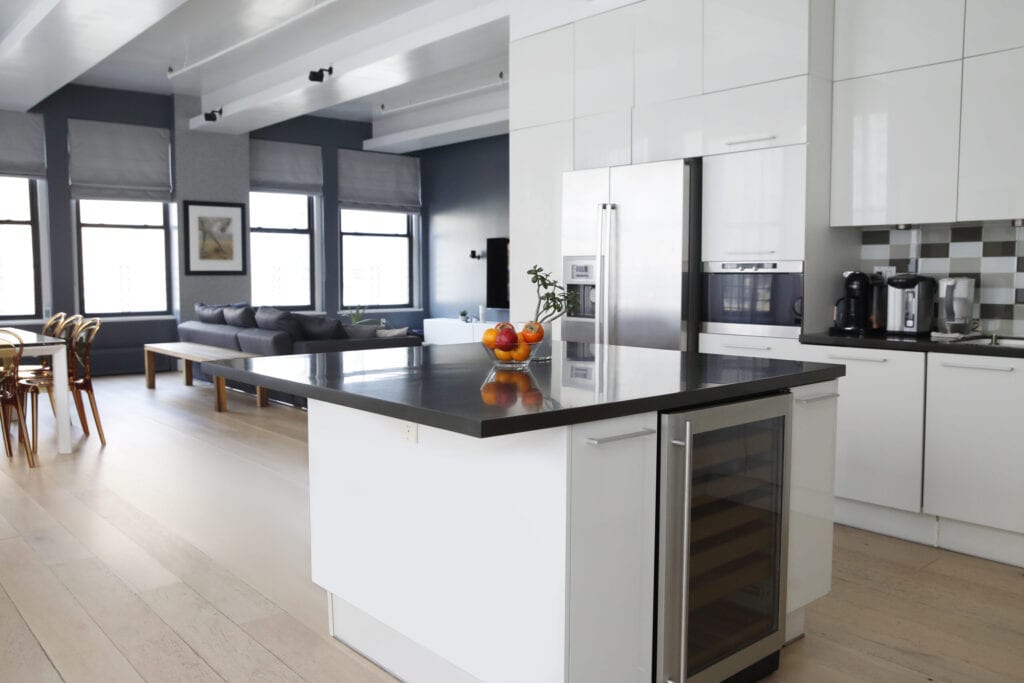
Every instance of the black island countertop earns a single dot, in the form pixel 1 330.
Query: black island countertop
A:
pixel 897 342
pixel 453 387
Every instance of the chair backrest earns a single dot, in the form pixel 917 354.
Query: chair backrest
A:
pixel 10 358
pixel 51 325
pixel 81 347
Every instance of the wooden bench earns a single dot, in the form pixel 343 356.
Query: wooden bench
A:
pixel 199 353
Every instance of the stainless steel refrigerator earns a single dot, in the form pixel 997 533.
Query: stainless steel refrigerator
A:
pixel 628 241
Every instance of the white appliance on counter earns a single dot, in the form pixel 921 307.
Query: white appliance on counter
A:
pixel 626 233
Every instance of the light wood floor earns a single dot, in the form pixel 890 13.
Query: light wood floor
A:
pixel 181 552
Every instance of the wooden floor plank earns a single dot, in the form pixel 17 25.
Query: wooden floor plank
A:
pixel 21 656
pixel 224 645
pixel 152 647
pixel 828 661
pixel 46 536
pixel 78 648
pixel 6 530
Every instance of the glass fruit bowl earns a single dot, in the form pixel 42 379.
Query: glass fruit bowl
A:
pixel 518 358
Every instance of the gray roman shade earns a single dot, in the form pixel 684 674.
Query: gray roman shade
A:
pixel 285 166
pixel 371 180
pixel 118 161
pixel 22 144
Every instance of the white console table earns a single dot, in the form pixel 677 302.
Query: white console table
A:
pixel 452 331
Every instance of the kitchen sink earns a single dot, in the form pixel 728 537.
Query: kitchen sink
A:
pixel 995 340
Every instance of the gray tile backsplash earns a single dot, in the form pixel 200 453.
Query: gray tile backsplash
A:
pixel 991 252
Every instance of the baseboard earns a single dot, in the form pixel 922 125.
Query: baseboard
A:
pixel 402 657
pixel 909 526
pixel 982 541
pixel 795 621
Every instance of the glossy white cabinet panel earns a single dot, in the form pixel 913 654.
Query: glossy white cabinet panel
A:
pixel 895 140
pixel 753 205
pixel 452 331
pixel 540 85
pixel 753 41
pixel 974 462
pixel 603 48
pixel 765 115
pixel 993 25
pixel 537 158
pixel 751 347
pixel 876 36
pixel 992 138
pixel 811 497
pixel 667 58
pixel 881 424
pixel 612 487
pixel 603 139
pixel 668 130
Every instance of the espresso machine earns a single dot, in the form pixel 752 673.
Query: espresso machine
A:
pixel 956 307
pixel 911 304
pixel 863 307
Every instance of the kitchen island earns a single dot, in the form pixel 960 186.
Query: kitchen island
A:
pixel 471 525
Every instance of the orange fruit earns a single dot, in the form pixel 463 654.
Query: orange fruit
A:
pixel 502 355
pixel 489 338
pixel 505 376
pixel 504 326
pixel 532 332
pixel 521 352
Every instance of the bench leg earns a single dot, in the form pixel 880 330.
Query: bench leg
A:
pixel 262 397
pixel 150 359
pixel 188 373
pixel 221 389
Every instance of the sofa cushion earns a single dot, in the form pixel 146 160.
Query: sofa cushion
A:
pixel 210 313
pixel 360 331
pixel 316 327
pixel 240 316
pixel 331 345
pixel 264 342
pixel 211 334
pixel 396 332
pixel 270 318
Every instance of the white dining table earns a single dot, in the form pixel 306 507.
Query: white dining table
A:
pixel 41 345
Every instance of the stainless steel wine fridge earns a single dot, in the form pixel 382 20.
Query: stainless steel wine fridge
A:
pixel 723 524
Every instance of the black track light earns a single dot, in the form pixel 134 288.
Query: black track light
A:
pixel 319 75
pixel 213 114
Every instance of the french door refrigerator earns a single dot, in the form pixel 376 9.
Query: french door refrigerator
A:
pixel 628 238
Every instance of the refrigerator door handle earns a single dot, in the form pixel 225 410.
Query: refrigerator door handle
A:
pixel 599 321
pixel 609 270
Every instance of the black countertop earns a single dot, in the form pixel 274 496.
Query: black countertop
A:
pixel 896 342
pixel 452 387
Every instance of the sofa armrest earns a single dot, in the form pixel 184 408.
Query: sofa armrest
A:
pixel 264 342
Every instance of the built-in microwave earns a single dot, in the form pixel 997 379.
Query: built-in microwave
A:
pixel 753 298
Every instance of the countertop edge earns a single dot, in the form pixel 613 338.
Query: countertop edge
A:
pixel 913 345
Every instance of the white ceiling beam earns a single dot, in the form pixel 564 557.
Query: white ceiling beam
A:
pixel 23 25
pixel 447 133
pixel 67 41
pixel 384 56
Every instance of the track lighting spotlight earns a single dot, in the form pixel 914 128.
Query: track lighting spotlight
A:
pixel 319 75
pixel 213 114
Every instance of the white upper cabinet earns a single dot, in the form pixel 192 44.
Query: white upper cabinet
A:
pixel 992 138
pixel 765 115
pixel 667 59
pixel 753 205
pixel 540 78
pixel 668 130
pixel 602 139
pixel 876 36
pixel 993 25
pixel 604 62
pixel 895 138
pixel 753 41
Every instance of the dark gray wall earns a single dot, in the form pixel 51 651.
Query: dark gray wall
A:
pixel 465 201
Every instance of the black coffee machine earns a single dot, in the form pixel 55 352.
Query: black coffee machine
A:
pixel 863 307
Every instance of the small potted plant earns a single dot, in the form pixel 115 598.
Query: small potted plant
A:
pixel 464 315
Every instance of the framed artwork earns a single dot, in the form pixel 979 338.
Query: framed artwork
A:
pixel 214 238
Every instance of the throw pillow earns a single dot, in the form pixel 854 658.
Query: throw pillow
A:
pixel 240 316
pixel 270 318
pixel 210 313
pixel 318 326
pixel 360 331
pixel 396 332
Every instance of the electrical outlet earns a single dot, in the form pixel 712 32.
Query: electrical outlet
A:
pixel 410 432
pixel 887 271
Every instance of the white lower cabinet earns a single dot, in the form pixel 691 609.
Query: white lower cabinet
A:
pixel 741 345
pixel 974 458
pixel 452 331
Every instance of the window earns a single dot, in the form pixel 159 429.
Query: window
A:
pixel 123 257
pixel 376 258
pixel 281 244
pixel 19 249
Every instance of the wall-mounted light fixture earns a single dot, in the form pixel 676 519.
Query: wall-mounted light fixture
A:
pixel 1017 222
pixel 319 75
pixel 474 254
pixel 213 114
pixel 902 226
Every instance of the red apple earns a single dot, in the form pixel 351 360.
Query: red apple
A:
pixel 506 339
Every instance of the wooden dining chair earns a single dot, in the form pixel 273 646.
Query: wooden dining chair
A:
pixel 63 326
pixel 81 373
pixel 10 397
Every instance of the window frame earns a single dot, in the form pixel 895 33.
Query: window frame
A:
pixel 166 210
pixel 310 231
pixel 37 262
pixel 409 236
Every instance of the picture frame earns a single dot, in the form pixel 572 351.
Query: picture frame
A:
pixel 216 236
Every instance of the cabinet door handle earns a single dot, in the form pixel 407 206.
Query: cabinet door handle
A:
pixel 619 437
pixel 992 368
pixel 748 348
pixel 749 141
pixel 815 399
pixel 865 360
pixel 751 253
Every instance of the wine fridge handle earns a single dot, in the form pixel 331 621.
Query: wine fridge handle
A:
pixel 687 445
